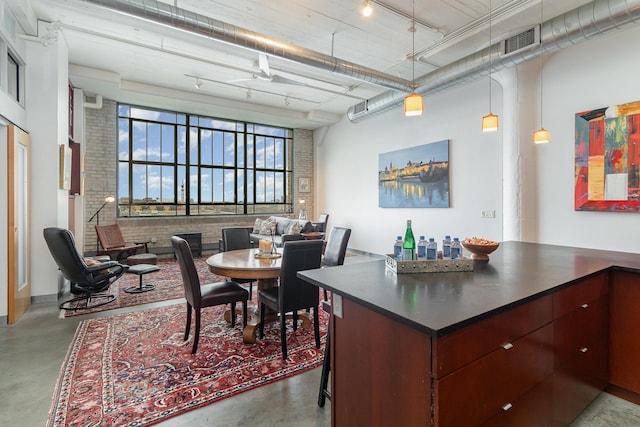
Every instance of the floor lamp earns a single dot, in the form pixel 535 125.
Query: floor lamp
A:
pixel 108 199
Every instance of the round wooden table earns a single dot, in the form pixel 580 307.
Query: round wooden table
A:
pixel 243 264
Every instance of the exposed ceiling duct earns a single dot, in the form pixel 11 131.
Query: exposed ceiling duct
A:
pixel 585 22
pixel 174 17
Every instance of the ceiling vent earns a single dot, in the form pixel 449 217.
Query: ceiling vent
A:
pixel 525 40
pixel 361 107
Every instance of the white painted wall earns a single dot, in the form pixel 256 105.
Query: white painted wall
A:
pixel 347 159
pixel 593 74
pixel 47 122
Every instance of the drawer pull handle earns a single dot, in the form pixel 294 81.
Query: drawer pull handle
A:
pixel 507 346
pixel 584 349
pixel 507 407
pixel 585 306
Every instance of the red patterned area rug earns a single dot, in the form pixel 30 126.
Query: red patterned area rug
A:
pixel 135 369
pixel 168 283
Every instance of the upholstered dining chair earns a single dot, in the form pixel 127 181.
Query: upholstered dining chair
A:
pixel 321 225
pixel 291 237
pixel 334 255
pixel 293 293
pixel 234 238
pixel 336 248
pixel 199 297
pixel 87 281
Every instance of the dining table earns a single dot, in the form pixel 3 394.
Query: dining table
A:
pixel 252 264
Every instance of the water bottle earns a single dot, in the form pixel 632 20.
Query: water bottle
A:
pixel 446 247
pixel 397 248
pixel 432 249
pixel 456 249
pixel 422 248
pixel 409 247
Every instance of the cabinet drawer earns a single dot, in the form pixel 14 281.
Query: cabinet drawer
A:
pixel 581 328
pixel 579 380
pixel 476 392
pixel 462 347
pixel 534 409
pixel 573 297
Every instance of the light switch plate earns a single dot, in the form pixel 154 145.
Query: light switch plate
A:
pixel 488 214
pixel 337 305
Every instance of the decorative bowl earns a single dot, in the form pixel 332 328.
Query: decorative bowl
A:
pixel 480 248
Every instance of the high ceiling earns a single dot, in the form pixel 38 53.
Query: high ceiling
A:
pixel 134 60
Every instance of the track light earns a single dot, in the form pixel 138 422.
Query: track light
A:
pixel 198 84
pixel 366 8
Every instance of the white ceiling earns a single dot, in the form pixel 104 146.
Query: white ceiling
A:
pixel 132 60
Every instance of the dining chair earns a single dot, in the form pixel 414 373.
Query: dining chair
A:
pixel 293 293
pixel 334 255
pixel 88 278
pixel 234 238
pixel 201 296
pixel 336 248
pixel 321 225
pixel 291 237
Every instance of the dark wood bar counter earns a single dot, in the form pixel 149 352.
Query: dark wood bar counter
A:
pixel 529 338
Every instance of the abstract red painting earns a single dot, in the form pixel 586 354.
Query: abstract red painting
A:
pixel 607 159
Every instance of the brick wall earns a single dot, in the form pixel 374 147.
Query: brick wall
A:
pixel 100 181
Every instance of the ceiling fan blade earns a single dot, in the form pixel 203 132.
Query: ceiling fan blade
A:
pixel 263 64
pixel 285 81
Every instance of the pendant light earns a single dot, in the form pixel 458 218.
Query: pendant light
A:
pixel 413 103
pixel 541 136
pixel 490 121
pixel 366 8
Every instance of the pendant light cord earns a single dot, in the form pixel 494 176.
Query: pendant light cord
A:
pixel 490 57
pixel 541 59
pixel 413 46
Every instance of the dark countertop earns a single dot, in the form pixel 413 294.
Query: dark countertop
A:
pixel 439 303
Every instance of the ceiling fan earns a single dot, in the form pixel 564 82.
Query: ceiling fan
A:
pixel 265 74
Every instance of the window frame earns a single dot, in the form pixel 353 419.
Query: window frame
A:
pixel 234 166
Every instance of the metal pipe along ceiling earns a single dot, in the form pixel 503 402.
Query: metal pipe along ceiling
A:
pixel 585 22
pixel 164 14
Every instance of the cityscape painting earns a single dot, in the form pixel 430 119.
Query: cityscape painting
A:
pixel 416 177
pixel 607 156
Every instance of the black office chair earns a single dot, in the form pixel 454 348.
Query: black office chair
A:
pixel 234 238
pixel 87 281
pixel 293 293
pixel 199 297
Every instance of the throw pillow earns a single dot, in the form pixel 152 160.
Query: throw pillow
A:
pixel 91 262
pixel 265 227
pixel 257 226
pixel 294 228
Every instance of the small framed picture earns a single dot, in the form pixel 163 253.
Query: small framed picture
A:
pixel 304 185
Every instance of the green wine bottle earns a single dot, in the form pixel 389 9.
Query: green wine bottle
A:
pixel 409 247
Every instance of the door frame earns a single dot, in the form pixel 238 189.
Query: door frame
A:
pixel 18 223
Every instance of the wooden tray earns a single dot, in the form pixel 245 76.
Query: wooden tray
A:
pixel 267 256
pixel 428 266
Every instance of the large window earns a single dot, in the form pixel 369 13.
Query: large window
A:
pixel 173 164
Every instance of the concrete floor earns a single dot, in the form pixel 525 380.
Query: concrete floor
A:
pixel 33 349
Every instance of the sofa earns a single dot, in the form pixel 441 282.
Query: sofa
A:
pixel 262 228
